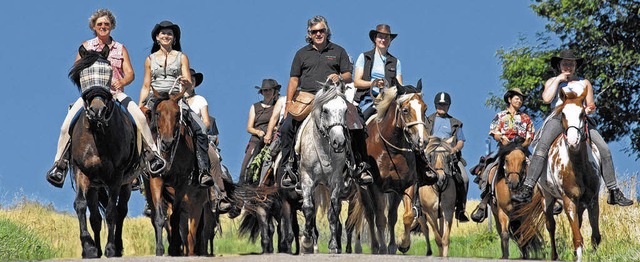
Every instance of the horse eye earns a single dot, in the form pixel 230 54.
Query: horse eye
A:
pixel 405 111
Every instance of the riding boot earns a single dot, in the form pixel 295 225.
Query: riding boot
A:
pixel 359 151
pixel 480 213
pixel 461 201
pixel 617 198
pixel 58 173
pixel 202 157
pixel 524 194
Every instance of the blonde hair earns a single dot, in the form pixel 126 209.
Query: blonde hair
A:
pixel 100 13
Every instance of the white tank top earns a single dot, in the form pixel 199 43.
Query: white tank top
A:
pixel 576 86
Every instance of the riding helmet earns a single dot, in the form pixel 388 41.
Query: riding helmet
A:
pixel 442 98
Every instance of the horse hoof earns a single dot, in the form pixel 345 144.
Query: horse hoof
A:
pixel 90 252
pixel 333 251
pixel 110 251
pixel 392 250
pixel 404 249
pixel 347 250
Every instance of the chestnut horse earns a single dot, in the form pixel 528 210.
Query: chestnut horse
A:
pixel 395 136
pixel 503 179
pixel 572 177
pixel 103 158
pixel 176 144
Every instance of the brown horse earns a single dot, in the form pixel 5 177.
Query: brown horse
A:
pixel 572 177
pixel 177 147
pixel 503 179
pixel 437 201
pixel 395 135
pixel 103 156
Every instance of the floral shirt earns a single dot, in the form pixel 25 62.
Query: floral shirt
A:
pixel 511 125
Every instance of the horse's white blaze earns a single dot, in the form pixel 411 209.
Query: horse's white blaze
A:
pixel 415 105
pixel 572 115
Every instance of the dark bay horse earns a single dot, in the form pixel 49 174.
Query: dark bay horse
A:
pixel 395 136
pixel 504 178
pixel 177 147
pixel 322 143
pixel 572 177
pixel 103 155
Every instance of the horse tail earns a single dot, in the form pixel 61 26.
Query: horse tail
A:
pixel 250 225
pixel 322 198
pixel 355 217
pixel 531 218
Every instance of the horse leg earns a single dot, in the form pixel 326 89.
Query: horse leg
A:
pixel 425 231
pixel 178 235
pixel 158 212
pixel 112 216
pixel 407 219
pixel 594 216
pixel 309 211
pixel 392 214
pixel 284 243
pixel 349 228
pixel 122 209
pixel 570 208
pixel 502 224
pixel 95 218
pixel 335 226
pixel 271 228
pixel 380 218
pixel 551 226
pixel 89 249
pixel 295 226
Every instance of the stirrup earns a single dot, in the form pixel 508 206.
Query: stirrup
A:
pixel 163 166
pixel 58 168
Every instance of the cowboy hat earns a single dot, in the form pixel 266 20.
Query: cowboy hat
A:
pixel 568 55
pixel 512 92
pixel 199 77
pixel 381 29
pixel 176 35
pixel 268 84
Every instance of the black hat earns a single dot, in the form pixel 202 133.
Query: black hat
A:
pixel 382 29
pixel 442 98
pixel 163 25
pixel 568 55
pixel 199 77
pixel 268 84
pixel 512 92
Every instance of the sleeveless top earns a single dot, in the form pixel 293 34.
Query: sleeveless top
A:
pixel 261 119
pixel 162 79
pixel 116 58
pixel 577 87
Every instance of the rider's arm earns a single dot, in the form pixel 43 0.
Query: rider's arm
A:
pixel 250 123
pixel 551 87
pixel 589 100
pixel 204 111
pixel 291 90
pixel 186 74
pixel 146 83
pixel 273 120
pixel 129 76
pixel 459 145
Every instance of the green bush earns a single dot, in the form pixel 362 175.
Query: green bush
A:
pixel 19 243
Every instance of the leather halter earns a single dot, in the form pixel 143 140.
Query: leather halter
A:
pixel 405 129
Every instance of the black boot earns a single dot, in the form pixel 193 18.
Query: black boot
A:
pixel 58 173
pixel 617 198
pixel 523 195
pixel 480 213
pixel 290 176
pixel 365 175
pixel 204 178
pixel 460 215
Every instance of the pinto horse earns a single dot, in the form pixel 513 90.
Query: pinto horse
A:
pixel 572 177
pixel 177 147
pixel 322 145
pixel 395 135
pixel 505 178
pixel 104 157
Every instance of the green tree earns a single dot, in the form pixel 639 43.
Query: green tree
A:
pixel 604 32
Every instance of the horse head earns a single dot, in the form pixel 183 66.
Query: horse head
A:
pixel 92 75
pixel 329 114
pixel 411 114
pixel 573 118
pixel 514 163
pixel 438 152
pixel 167 117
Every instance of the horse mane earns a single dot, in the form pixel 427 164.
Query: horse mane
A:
pixel 388 97
pixel 435 142
pixel 87 59
pixel 326 94
pixel 503 150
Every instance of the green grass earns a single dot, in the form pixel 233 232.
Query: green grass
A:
pixel 20 243
pixel 30 230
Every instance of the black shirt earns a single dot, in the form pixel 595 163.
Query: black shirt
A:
pixel 313 66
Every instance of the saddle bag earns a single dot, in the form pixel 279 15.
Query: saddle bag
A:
pixel 301 105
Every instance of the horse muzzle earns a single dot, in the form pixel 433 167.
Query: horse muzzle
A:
pixel 337 139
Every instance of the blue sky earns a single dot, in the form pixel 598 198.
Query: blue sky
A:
pixel 451 45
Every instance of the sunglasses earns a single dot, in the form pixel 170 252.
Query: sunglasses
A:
pixel 322 31
pixel 105 24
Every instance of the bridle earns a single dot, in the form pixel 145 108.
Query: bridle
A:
pixel 178 128
pixel 405 130
pixel 324 132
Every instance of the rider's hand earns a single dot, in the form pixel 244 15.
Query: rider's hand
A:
pixel 563 77
pixel 379 82
pixel 267 139
pixel 589 109
pixel 334 77
pixel 504 140
pixel 117 85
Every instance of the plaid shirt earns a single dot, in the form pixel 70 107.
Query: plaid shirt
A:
pixel 511 125
pixel 98 74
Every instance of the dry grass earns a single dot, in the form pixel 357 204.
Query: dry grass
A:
pixel 620 228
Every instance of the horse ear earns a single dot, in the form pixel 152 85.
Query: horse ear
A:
pixel 82 51
pixel 105 52
pixel 563 95
pixel 342 87
pixel 449 140
pixel 155 92
pixel 179 95
pixel 419 85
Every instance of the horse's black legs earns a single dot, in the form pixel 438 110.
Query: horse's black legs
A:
pixel 309 210
pixel 122 209
pixel 334 222
pixel 95 218
pixel 158 211
pixel 112 216
pixel 89 249
pixel 392 214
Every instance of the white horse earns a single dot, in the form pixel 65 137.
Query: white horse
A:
pixel 322 143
